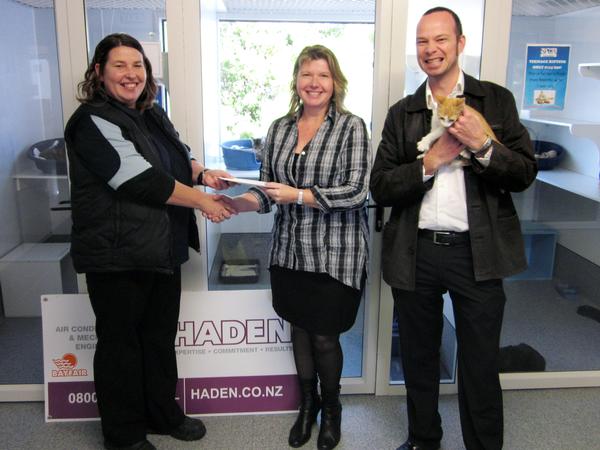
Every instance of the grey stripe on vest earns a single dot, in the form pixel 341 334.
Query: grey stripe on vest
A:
pixel 132 163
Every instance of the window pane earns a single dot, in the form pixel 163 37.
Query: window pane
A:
pixel 248 54
pixel 552 314
pixel 256 61
pixel 470 13
pixel 35 221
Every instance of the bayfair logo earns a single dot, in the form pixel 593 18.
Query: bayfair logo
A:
pixel 67 367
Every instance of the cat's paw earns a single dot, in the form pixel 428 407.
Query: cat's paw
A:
pixel 465 154
pixel 423 145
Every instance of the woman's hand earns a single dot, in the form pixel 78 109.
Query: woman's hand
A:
pixel 216 208
pixel 281 193
pixel 208 177
pixel 242 203
pixel 211 179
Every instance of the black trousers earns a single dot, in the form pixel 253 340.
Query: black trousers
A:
pixel 135 368
pixel 478 311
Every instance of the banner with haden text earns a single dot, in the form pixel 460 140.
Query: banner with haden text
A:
pixel 234 355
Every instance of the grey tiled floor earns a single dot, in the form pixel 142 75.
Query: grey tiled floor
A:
pixel 534 420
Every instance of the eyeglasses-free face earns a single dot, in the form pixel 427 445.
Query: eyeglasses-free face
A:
pixel 124 75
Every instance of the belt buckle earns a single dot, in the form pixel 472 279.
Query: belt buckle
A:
pixel 440 233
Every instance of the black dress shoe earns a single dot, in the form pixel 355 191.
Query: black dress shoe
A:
pixel 141 445
pixel 189 430
pixel 410 445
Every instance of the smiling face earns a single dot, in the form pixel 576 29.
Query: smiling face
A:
pixel 314 84
pixel 124 75
pixel 438 46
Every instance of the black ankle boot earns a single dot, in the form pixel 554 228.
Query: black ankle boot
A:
pixel 310 404
pixel 331 420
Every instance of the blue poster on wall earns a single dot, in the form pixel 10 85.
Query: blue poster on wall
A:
pixel 546 76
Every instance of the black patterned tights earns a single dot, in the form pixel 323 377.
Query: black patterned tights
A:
pixel 318 355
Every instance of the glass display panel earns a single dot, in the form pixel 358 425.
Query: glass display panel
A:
pixel 35 222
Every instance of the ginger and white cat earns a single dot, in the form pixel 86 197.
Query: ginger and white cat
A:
pixel 445 113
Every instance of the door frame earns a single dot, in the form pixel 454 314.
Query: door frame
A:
pixel 185 59
pixel 494 63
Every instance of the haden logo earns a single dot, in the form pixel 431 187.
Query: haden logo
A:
pixel 67 367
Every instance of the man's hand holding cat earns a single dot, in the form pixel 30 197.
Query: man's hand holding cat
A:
pixel 442 152
pixel 469 130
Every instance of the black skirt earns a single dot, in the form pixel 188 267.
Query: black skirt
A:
pixel 315 302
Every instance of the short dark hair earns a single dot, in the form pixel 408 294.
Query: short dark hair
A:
pixel 92 88
pixel 457 24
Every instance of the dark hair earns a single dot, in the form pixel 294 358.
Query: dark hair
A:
pixel 92 88
pixel 340 84
pixel 457 24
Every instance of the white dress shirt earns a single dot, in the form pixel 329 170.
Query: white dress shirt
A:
pixel 444 206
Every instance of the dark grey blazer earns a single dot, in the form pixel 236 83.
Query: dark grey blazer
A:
pixel 397 181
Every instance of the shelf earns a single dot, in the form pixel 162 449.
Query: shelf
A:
pixel 578 128
pixel 37 174
pixel 591 70
pixel 568 180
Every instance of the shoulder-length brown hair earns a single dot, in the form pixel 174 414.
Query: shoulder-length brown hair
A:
pixel 91 89
pixel 340 84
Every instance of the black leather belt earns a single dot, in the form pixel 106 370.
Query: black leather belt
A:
pixel 445 237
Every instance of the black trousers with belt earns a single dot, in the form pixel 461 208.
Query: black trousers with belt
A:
pixel 478 310
pixel 135 368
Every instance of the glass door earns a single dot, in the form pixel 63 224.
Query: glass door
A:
pixel 247 60
pixel 35 220
pixel 390 378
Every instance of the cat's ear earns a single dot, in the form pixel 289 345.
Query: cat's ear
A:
pixel 460 101
pixel 440 99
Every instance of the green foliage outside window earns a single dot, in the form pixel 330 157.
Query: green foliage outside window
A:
pixel 247 80
pixel 256 61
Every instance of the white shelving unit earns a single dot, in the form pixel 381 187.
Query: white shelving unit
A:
pixel 36 174
pixel 568 180
pixel 577 183
pixel 578 128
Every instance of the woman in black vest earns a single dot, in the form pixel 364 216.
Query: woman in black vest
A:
pixel 133 221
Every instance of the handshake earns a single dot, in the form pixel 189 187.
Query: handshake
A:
pixel 220 207
pixel 217 207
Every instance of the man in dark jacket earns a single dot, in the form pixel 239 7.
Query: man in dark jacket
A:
pixel 453 228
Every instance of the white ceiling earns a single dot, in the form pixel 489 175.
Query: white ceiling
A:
pixel 104 4
pixel 551 7
pixel 326 8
